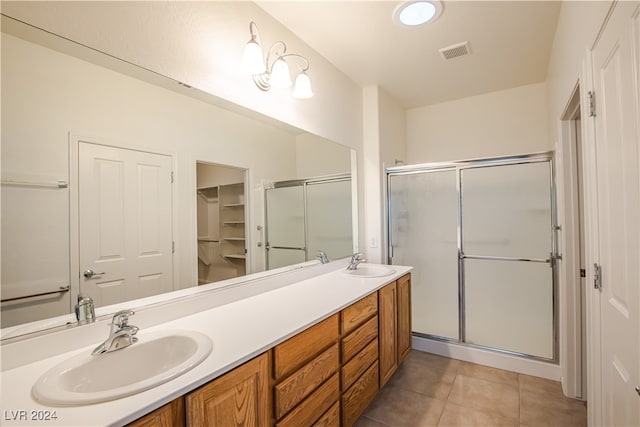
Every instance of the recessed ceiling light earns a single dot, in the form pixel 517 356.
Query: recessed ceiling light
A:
pixel 417 12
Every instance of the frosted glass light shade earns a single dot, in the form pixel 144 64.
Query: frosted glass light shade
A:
pixel 253 59
pixel 280 76
pixel 302 88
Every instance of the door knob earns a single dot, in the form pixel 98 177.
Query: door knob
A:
pixel 88 274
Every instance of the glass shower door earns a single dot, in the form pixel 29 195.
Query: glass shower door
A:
pixel 506 252
pixel 423 220
pixel 480 236
pixel 285 223
pixel 329 218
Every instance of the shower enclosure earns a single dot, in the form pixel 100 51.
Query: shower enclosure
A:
pixel 307 216
pixel 481 235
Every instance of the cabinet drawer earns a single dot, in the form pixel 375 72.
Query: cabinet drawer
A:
pixel 331 418
pixel 305 380
pixel 319 402
pixel 356 399
pixel 356 313
pixel 298 350
pixel 358 339
pixel 360 362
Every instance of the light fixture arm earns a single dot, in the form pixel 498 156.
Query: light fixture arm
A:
pixel 255 33
pixel 277 52
pixel 304 60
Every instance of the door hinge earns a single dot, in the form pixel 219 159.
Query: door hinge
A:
pixel 592 103
pixel 173 247
pixel 583 272
pixel 172 177
pixel 597 277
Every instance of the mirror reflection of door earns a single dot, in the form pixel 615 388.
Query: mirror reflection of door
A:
pixel 125 223
pixel 222 228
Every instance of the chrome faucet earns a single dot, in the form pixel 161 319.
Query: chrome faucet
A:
pixel 85 310
pixel 322 256
pixel 121 334
pixel 356 259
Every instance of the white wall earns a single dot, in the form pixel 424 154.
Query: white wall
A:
pixel 316 156
pixel 201 44
pixel 578 25
pixel 384 142
pixel 512 121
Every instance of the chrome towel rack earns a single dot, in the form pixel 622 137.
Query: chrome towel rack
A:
pixel 42 184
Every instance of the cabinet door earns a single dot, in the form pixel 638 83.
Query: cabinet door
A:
pixel 170 415
pixel 238 398
pixel 387 313
pixel 404 317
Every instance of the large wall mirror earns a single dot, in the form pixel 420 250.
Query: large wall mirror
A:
pixel 109 184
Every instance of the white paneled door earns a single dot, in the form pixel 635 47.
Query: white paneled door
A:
pixel 125 225
pixel 615 77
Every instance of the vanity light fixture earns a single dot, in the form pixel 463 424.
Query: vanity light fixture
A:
pixel 267 74
pixel 417 12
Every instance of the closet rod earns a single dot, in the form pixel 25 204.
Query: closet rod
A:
pixel 44 184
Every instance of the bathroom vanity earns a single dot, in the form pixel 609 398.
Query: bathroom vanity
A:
pixel 313 352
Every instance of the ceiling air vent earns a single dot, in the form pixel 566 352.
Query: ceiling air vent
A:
pixel 455 50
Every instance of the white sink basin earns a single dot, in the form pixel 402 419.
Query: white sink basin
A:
pixel 156 358
pixel 370 270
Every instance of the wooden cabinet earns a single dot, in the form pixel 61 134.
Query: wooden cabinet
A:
pixel 305 369
pixel 238 398
pixel 357 397
pixel 395 326
pixel 404 317
pixel 326 375
pixel 359 353
pixel 388 332
pixel 170 415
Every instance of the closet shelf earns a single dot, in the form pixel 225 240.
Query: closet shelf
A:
pixel 233 222
pixel 242 239
pixel 235 256
pixel 233 205
pixel 208 239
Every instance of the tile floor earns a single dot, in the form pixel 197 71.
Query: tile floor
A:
pixel 429 390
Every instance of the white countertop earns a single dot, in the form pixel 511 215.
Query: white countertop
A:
pixel 240 330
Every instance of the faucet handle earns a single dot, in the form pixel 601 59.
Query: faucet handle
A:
pixel 121 318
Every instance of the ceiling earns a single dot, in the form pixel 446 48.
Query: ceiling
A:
pixel 510 45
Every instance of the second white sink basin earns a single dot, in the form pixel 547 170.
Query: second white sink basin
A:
pixel 371 270
pixel 156 358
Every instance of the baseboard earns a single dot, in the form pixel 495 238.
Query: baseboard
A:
pixel 489 358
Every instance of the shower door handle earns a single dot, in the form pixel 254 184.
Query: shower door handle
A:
pixel 88 274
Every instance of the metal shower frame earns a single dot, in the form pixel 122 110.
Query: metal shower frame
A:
pixel 458 167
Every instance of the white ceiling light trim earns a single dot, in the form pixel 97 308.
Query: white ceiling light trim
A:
pixel 417 12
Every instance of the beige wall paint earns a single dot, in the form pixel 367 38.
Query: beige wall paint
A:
pixel 578 25
pixel 512 121
pixel 384 142
pixel 317 156
pixel 392 130
pixel 201 44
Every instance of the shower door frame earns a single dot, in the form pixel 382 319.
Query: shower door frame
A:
pixel 304 183
pixel 458 167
